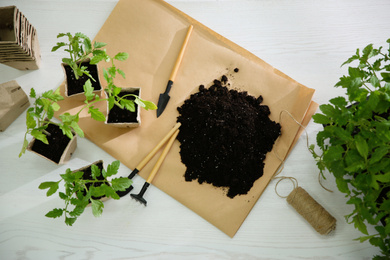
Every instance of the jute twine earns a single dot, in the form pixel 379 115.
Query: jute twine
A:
pixel 309 208
pixel 303 203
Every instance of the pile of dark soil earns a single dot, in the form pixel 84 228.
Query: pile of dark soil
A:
pixel 225 136
pixel 118 115
pixel 57 144
pixel 77 86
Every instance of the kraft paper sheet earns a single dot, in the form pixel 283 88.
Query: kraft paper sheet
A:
pixel 152 32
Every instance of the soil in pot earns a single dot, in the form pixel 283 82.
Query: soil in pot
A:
pixel 77 86
pixel 225 136
pixel 57 144
pixel 118 115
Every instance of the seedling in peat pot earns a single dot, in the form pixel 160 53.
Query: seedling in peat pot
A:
pixel 86 186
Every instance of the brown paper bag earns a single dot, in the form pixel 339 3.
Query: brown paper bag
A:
pixel 152 32
pixel 13 101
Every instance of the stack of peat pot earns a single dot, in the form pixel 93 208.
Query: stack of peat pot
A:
pixel 19 47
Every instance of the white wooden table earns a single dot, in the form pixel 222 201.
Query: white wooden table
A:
pixel 307 40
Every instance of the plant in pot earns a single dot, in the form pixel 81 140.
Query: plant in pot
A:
pixel 81 64
pixel 56 140
pixel 355 143
pixel 89 185
pixel 123 104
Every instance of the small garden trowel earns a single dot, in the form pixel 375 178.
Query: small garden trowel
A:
pixel 164 97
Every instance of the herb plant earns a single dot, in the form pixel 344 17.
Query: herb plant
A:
pixel 355 143
pixel 80 48
pixel 113 91
pixel 79 191
pixel 40 115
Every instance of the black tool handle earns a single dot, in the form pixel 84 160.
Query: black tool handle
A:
pixel 133 173
pixel 144 188
pixel 169 86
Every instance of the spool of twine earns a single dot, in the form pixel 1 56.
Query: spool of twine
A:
pixel 309 208
pixel 312 211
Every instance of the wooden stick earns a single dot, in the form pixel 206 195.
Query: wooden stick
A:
pixel 162 157
pixel 181 54
pixel 157 147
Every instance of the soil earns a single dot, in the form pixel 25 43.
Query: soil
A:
pixel 225 136
pixel 77 86
pixel 57 144
pixel 118 115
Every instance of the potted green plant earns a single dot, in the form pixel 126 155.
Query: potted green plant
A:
pixel 56 140
pixel 355 143
pixel 123 104
pixel 81 64
pixel 89 185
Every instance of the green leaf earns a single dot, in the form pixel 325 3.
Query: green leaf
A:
pixel 88 90
pixel 121 184
pixel 113 168
pixel 121 56
pixel 375 81
pixel 96 59
pixel 63 195
pixel 98 191
pixel 32 93
pixel 30 121
pixel 99 45
pixel 354 161
pixel 58 45
pixel 386 76
pixel 77 211
pixel 128 104
pixel 338 101
pixel 75 126
pixel 378 154
pixel 111 102
pixel 105 75
pixel 342 185
pixel 342 134
pixel 334 153
pixel 70 221
pixel 110 192
pixel 385 178
pixel 149 105
pixel 121 72
pixel 362 239
pixel 95 171
pixel 68 176
pixel 24 148
pixel 353 58
pixel 362 146
pixel 51 185
pixel 55 106
pixel 66 130
pixel 87 45
pixel 328 110
pixel 97 207
pixel 385 206
pixel 55 213
pixel 359 224
pixel 39 136
pixel 96 114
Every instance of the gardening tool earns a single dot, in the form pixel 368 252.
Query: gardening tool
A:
pixel 164 97
pixel 148 157
pixel 139 196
